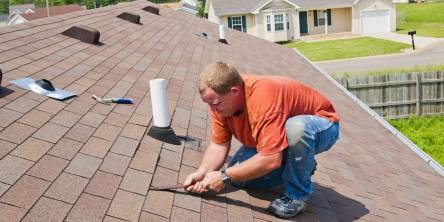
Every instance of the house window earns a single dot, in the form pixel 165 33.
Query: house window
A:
pixel 268 23
pixel 279 22
pixel 236 23
pixel 321 17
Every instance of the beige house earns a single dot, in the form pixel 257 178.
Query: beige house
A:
pixel 283 20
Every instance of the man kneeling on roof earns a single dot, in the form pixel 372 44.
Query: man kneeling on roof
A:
pixel 281 123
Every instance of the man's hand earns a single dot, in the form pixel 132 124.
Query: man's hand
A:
pixel 213 181
pixel 193 182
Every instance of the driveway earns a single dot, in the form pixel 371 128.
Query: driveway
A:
pixel 429 51
pixel 420 41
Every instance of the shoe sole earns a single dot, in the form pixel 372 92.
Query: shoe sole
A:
pixel 285 216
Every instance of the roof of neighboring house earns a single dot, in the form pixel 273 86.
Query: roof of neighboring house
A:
pixel 82 160
pixel 189 8
pixel 233 7
pixel 20 8
pixel 53 11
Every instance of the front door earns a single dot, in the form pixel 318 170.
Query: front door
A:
pixel 303 27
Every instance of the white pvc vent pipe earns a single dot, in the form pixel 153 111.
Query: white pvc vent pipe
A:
pixel 221 32
pixel 159 102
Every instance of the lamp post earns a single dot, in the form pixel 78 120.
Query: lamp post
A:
pixel 411 33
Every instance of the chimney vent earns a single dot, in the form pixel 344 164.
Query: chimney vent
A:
pixel 84 34
pixel 130 17
pixel 152 9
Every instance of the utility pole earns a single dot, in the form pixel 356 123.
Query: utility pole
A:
pixel 47 8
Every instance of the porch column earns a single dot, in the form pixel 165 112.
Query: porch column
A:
pixel 326 22
pixel 255 23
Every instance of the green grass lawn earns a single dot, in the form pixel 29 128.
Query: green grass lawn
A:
pixel 346 48
pixel 426 132
pixel 426 18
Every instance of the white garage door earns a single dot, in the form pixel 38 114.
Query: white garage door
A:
pixel 375 21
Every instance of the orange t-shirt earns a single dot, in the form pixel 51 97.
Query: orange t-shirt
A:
pixel 270 101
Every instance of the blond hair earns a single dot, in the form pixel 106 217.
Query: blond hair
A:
pixel 220 77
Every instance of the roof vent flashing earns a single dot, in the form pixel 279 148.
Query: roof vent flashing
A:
pixel 152 9
pixel 133 18
pixel 84 34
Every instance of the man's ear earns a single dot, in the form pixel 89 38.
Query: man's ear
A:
pixel 235 90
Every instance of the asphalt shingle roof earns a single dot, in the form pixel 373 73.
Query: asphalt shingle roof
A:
pixel 82 160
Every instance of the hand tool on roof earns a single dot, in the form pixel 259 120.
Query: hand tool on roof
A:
pixel 168 187
pixel 113 100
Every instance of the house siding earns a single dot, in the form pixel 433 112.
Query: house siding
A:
pixel 340 22
pixel 364 5
pixel 212 17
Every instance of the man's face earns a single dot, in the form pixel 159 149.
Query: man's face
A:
pixel 226 105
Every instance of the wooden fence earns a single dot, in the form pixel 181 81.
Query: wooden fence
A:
pixel 400 95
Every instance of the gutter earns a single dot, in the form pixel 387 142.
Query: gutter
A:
pixel 424 156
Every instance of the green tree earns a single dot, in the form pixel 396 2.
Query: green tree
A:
pixel 4 6
pixel 201 9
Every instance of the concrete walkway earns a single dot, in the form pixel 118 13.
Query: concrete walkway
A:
pixel 420 41
pixel 429 51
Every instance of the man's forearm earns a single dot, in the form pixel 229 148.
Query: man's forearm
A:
pixel 254 167
pixel 214 158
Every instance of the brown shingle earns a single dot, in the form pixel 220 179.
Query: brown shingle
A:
pixel 80 132
pixel 133 131
pixel 147 217
pixel 92 119
pixel 25 192
pixel 103 184
pixel 22 105
pixel 11 213
pixel 170 160
pixel 51 106
pixel 48 167
pixel 212 213
pixel 89 208
pixel 125 146
pixel 96 147
pixel 67 188
pixel 144 161
pixel 32 149
pixel 83 165
pixel 136 181
pixel 107 132
pixel 17 133
pixel 6 147
pixel 48 210
pixel 50 132
pixel 159 202
pixel 35 118
pixel 12 168
pixel 8 116
pixel 65 148
pixel 115 163
pixel 66 118
pixel 179 214
pixel 126 205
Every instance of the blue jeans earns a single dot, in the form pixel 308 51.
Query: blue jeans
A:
pixel 307 135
